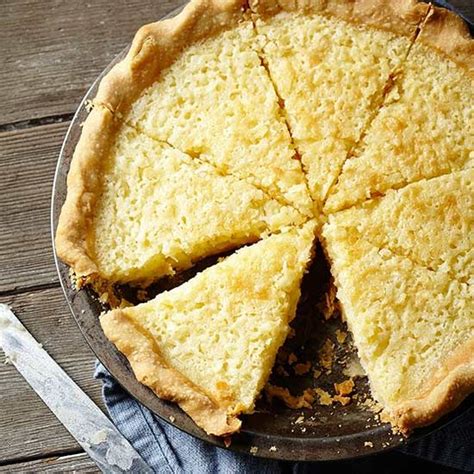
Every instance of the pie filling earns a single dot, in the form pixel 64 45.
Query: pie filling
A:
pixel 406 319
pixel 266 127
pixel 160 211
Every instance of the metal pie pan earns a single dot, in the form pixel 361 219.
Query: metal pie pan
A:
pixel 273 431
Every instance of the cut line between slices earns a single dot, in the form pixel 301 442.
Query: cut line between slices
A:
pixel 378 101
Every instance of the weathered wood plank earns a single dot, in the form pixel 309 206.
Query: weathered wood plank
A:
pixel 53 50
pixel 48 61
pixel 28 428
pixel 28 161
pixel 72 463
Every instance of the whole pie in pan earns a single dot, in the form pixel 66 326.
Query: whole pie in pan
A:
pixel 258 128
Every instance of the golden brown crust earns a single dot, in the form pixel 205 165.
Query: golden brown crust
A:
pixel 398 16
pixel 83 183
pixel 152 370
pixel 453 382
pixel 449 34
pixel 157 45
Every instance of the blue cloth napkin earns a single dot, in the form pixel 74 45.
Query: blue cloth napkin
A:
pixel 169 451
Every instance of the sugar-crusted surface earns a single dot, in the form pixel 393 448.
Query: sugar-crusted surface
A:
pixel 425 129
pixel 431 222
pixel 406 320
pixel 331 75
pixel 216 101
pixel 161 210
pixel 223 328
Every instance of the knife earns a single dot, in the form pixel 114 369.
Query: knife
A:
pixel 97 435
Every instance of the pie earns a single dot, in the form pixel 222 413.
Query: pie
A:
pixel 421 213
pixel 420 130
pixel 210 344
pixel 215 102
pixel 259 128
pixel 332 70
pixel 161 210
pixel 407 296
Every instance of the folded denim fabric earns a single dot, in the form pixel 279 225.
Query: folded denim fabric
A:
pixel 168 450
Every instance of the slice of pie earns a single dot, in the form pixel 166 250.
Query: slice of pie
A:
pixel 138 209
pixel 211 99
pixel 210 344
pixel 413 328
pixel 430 222
pixel 331 63
pixel 426 126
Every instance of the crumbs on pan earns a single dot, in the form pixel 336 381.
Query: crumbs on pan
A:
pixel 328 305
pixel 326 354
pixel 343 391
pixel 253 449
pixel 302 368
pixel 344 388
pixel 291 401
pixel 341 336
pixel 299 420
pixel 316 373
pixel 325 398
pixel 353 368
pixel 292 359
pixel 372 405
pixel 342 400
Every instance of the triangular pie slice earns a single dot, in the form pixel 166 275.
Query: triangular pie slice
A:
pixel 197 82
pixel 426 127
pixel 413 328
pixel 210 344
pixel 138 209
pixel 430 222
pixel 331 63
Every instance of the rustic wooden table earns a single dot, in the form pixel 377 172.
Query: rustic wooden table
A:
pixel 51 52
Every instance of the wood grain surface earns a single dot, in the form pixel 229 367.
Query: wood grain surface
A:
pixel 28 159
pixel 51 53
pixel 79 463
pixel 54 49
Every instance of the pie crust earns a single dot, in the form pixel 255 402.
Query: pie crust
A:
pixel 398 16
pixel 168 383
pixel 449 35
pixel 452 384
pixel 154 48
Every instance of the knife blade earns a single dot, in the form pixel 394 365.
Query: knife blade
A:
pixel 91 428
